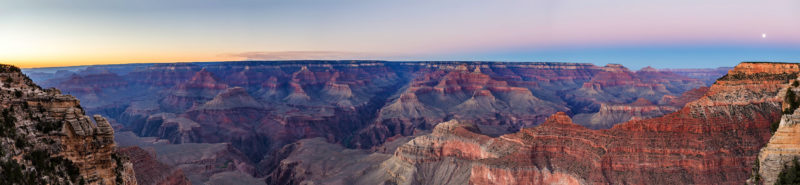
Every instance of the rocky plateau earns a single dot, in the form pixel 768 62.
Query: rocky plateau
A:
pixel 268 121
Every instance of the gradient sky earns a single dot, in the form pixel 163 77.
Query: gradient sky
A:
pixel 636 33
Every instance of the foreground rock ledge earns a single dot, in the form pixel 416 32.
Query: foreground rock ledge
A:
pixel 52 140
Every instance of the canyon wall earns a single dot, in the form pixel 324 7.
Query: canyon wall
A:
pixel 712 140
pixel 259 108
pixel 48 139
pixel 783 147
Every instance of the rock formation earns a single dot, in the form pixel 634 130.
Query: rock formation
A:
pixel 48 139
pixel 783 146
pixel 713 140
pixel 202 87
pixel 611 114
pixel 199 163
pixel 151 172
pixel 315 161
pixel 260 107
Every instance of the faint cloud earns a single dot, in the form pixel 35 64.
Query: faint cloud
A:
pixel 304 55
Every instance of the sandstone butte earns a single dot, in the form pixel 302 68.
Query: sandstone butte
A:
pixel 713 140
pixel 47 138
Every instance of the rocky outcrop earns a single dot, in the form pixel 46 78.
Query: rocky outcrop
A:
pixel 685 98
pixel 783 146
pixel 617 84
pixel 780 151
pixel 48 139
pixel 315 161
pixel 360 104
pixel 202 87
pixel 150 171
pixel 197 162
pixel 713 140
pixel 168 126
pixel 502 100
pixel 231 98
pixel 610 115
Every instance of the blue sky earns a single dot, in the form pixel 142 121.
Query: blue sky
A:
pixel 661 33
pixel 637 57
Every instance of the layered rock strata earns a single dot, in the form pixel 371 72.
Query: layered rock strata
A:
pixel 198 163
pixel 259 107
pixel 713 140
pixel 48 139
pixel 151 172
pixel 784 145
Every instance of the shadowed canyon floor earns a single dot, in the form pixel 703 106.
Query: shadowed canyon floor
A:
pixel 513 125
pixel 713 140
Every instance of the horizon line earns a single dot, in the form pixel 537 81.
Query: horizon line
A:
pixel 369 60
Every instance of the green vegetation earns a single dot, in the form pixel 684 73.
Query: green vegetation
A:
pixel 9 68
pixel 34 166
pixel 20 142
pixel 118 170
pixel 57 170
pixel 795 83
pixel 8 124
pixel 8 128
pixel 793 101
pixel 11 172
pixel 754 173
pixel 790 175
pixel 762 75
pixel 47 126
pixel 7 82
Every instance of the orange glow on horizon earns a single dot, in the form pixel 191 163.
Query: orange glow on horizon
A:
pixel 40 60
pixel 64 62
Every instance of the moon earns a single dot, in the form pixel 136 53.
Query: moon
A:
pixel 763 35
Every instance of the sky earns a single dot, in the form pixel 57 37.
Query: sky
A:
pixel 635 33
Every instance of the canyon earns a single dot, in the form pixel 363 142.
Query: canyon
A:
pixel 713 140
pixel 458 122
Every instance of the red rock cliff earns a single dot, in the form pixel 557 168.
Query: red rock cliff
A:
pixel 713 140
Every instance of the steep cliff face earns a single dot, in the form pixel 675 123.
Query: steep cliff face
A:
pixel 151 172
pixel 502 98
pixel 47 138
pixel 612 114
pixel 713 140
pixel 315 161
pixel 259 107
pixel 783 146
pixel 162 162
pixel 462 94
pixel 779 153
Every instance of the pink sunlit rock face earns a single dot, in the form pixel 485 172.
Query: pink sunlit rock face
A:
pixel 260 108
